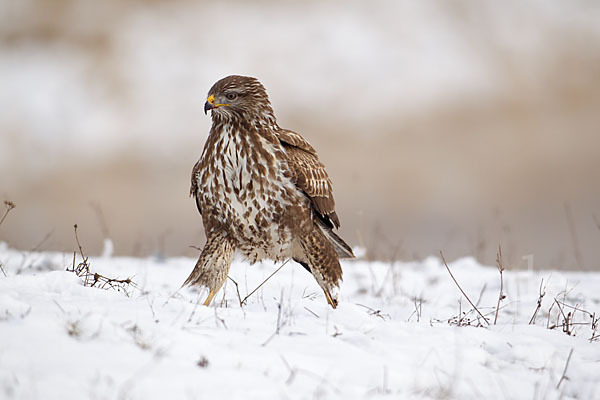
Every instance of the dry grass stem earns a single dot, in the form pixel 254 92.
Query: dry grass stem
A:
pixel 501 296
pixel 567 321
pixel 9 206
pixel 539 302
pixel 564 374
pixel 376 313
pixel 311 311
pixel 418 308
pixel 461 290
pixel 237 290
pixel 263 282
pixel 280 322
pixel 595 335
pixel 94 279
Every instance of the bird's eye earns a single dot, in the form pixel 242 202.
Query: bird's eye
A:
pixel 231 96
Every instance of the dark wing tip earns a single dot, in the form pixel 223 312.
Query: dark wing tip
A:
pixel 334 218
pixel 323 207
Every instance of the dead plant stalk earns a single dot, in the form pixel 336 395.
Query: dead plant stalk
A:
pixel 461 290
pixel 501 296
pixel 263 282
pixel 539 302
pixel 94 279
pixel 564 374
pixel 9 206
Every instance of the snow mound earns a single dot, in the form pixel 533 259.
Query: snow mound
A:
pixel 402 330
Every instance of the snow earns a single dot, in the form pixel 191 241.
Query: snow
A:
pixel 62 340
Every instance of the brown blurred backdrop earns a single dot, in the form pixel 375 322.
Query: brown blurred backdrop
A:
pixel 455 126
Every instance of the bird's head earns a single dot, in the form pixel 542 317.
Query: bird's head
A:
pixel 238 95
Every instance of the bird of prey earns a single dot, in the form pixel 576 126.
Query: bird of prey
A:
pixel 261 191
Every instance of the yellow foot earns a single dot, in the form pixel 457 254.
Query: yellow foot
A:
pixel 209 298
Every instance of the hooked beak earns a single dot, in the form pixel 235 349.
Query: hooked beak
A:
pixel 210 104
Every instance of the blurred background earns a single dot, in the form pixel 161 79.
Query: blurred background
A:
pixel 453 126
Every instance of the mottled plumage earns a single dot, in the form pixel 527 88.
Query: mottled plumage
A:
pixel 261 191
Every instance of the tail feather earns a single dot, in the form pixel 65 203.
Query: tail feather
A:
pixel 342 248
pixel 320 258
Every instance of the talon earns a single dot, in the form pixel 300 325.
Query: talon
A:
pixel 332 302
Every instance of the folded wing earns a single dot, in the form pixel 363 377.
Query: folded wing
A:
pixel 310 175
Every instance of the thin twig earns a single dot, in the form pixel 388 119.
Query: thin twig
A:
pixel 79 244
pixel 263 282
pixel 237 289
pixel 280 307
pixel 279 321
pixel 549 316
pixel 564 376
pixel 9 206
pixel 575 308
pixel 539 302
pixel 372 311
pixel 460 313
pixel 2 269
pixel 501 296
pixel 311 311
pixel 94 279
pixel 566 319
pixel 462 291
pixel 568 323
pixel 417 308
pixel 594 328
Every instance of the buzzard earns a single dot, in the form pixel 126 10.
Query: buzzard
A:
pixel 261 191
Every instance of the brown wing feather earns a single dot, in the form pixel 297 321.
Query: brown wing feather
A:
pixel 291 138
pixel 194 186
pixel 310 175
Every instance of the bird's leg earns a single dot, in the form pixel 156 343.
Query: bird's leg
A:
pixel 213 265
pixel 211 294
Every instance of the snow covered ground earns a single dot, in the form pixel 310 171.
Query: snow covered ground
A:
pixel 395 334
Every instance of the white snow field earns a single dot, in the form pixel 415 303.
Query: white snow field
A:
pixel 396 333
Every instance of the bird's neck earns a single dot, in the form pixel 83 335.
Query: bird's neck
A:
pixel 260 121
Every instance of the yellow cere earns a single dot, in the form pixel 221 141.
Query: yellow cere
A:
pixel 211 100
